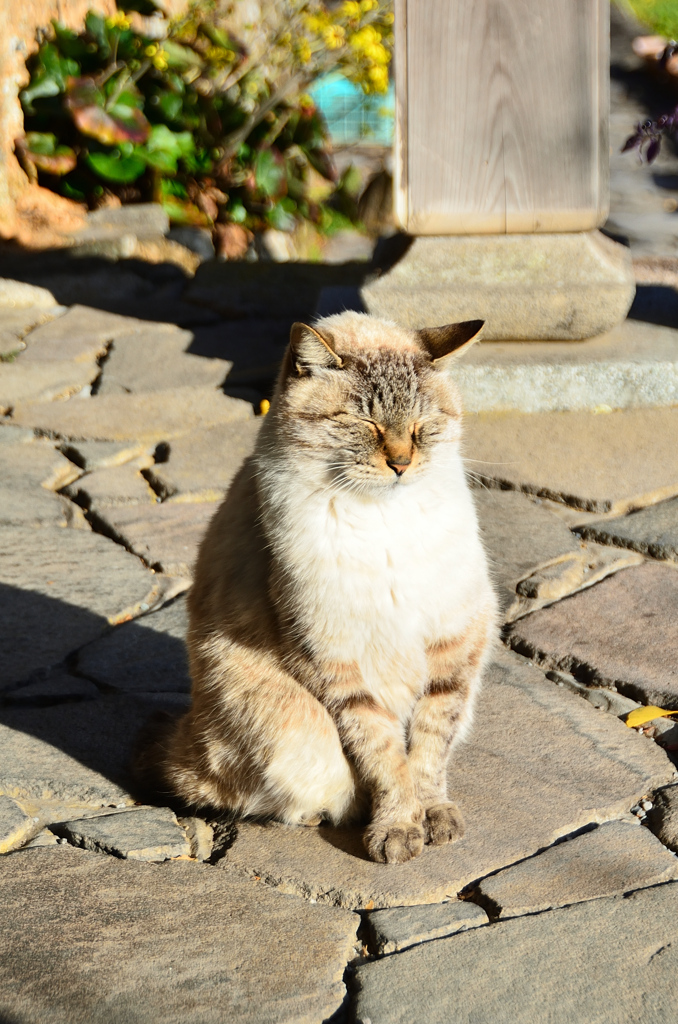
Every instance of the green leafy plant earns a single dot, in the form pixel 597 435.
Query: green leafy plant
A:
pixel 659 15
pixel 197 122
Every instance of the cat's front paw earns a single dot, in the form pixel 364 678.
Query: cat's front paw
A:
pixel 443 824
pixel 394 843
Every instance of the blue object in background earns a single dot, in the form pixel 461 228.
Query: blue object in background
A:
pixel 353 116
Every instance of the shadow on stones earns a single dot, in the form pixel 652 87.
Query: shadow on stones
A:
pixel 348 840
pixel 98 732
pixel 236 310
pixel 655 304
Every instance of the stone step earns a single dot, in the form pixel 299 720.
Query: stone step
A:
pixel 635 365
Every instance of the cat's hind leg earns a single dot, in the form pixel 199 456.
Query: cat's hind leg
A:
pixel 258 743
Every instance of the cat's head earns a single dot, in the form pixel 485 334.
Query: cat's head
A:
pixel 368 403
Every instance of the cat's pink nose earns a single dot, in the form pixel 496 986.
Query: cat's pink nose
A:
pixel 399 465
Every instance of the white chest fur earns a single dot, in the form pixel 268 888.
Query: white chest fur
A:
pixel 376 582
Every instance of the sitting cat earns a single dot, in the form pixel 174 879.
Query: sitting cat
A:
pixel 342 611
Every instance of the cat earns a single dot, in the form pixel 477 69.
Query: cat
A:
pixel 342 610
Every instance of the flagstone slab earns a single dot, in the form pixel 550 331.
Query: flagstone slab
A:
pixel 652 531
pixel 16 295
pixel 143 833
pixel 612 961
pixel 80 334
pixel 76 753
pixel 31 470
pixel 43 382
pixel 58 589
pixel 540 764
pixel 520 537
pixel 166 536
pixel 15 825
pixel 622 632
pixel 97 938
pixel 607 462
pixel 663 817
pixel 147 417
pixel 401 927
pixel 16 323
pixel 119 485
pixel 144 656
pixel 154 360
pixel 202 464
pixel 613 859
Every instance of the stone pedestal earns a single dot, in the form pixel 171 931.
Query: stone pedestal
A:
pixel 563 287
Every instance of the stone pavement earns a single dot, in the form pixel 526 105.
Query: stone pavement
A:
pixel 119 438
pixel 128 399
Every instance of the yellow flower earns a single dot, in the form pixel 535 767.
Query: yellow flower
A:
pixel 387 19
pixel 377 53
pixel 304 51
pixel 151 50
pixel 378 78
pixel 219 55
pixel 367 5
pixel 160 61
pixel 350 9
pixel 314 24
pixel 334 37
pixel 366 37
pixel 118 20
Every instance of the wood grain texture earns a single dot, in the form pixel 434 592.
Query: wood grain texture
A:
pixel 502 109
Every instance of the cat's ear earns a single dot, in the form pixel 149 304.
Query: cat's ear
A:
pixel 311 351
pixel 451 341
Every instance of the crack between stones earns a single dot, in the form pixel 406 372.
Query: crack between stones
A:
pixel 571 500
pixel 101 362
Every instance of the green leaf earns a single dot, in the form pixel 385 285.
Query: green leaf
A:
pixel 180 57
pixel 171 187
pixel 40 88
pixel 96 26
pixel 162 139
pixel 198 163
pixel 48 77
pixel 41 149
pixel 218 37
pixel 170 104
pixel 70 44
pixel 181 211
pixel 269 173
pixel 164 148
pixel 71 192
pixel 122 123
pixel 115 167
pixel 43 143
pixel 281 216
pixel 237 212
pixel 129 97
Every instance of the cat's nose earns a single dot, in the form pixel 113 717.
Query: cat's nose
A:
pixel 399 464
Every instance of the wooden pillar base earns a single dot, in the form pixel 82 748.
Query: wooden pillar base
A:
pixel 563 287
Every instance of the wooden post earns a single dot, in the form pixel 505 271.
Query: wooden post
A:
pixel 501 114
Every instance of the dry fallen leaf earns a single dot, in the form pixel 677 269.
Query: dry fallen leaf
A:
pixel 646 714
